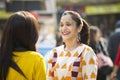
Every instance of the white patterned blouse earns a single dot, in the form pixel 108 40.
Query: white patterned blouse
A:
pixel 78 64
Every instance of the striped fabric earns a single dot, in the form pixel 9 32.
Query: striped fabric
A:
pixel 79 64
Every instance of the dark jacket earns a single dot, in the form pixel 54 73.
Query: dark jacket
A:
pixel 113 43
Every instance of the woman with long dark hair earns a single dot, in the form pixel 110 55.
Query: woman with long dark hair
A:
pixel 74 60
pixel 18 57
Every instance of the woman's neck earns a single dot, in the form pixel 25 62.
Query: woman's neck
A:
pixel 70 45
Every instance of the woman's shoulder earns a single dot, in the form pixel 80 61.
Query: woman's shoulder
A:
pixel 35 54
pixel 89 53
pixel 88 50
pixel 29 54
pixel 85 47
pixel 56 50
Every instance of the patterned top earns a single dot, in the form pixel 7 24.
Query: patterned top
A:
pixel 78 64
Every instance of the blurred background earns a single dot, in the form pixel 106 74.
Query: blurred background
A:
pixel 103 13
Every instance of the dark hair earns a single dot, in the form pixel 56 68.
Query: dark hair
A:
pixel 85 32
pixel 20 34
pixel 93 43
pixel 93 31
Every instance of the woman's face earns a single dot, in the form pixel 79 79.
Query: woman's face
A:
pixel 68 28
pixel 97 36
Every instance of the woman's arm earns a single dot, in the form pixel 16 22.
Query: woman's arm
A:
pixel 90 66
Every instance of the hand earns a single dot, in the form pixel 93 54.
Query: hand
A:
pixel 113 76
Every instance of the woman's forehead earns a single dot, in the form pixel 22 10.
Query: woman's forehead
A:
pixel 66 18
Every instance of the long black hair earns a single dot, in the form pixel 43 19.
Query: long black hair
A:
pixel 19 34
pixel 80 22
pixel 93 43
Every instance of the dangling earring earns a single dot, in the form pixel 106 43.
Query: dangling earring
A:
pixel 79 38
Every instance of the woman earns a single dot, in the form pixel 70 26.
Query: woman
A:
pixel 74 60
pixel 94 38
pixel 98 47
pixel 18 56
pixel 116 65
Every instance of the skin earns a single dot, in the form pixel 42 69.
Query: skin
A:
pixel 114 72
pixel 97 36
pixel 69 32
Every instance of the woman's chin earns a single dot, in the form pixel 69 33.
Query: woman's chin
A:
pixel 66 39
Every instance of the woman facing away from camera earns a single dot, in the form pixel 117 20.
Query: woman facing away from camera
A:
pixel 74 60
pixel 18 57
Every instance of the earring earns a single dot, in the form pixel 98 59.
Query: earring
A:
pixel 79 38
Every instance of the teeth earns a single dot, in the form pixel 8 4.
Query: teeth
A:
pixel 65 33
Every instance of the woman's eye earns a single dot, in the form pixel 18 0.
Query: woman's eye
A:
pixel 68 24
pixel 61 25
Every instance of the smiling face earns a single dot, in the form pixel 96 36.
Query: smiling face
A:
pixel 68 28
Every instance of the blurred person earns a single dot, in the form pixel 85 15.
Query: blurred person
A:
pixel 94 38
pixel 18 56
pixel 114 41
pixel 99 47
pixel 74 60
pixel 116 65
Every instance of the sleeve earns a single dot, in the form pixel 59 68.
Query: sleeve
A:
pixel 117 60
pixel 49 67
pixel 89 65
pixel 39 69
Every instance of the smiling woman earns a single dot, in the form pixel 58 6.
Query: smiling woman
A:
pixel 75 58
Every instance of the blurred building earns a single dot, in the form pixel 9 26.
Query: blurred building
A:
pixel 102 13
